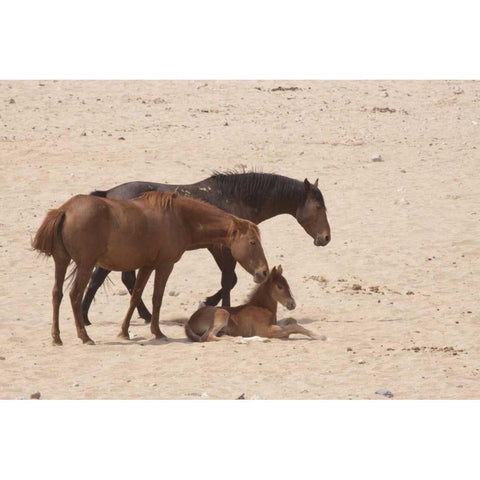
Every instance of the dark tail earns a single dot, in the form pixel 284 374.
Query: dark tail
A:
pixel 46 235
pixel 99 193
pixel 191 334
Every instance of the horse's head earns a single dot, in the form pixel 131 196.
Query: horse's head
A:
pixel 279 288
pixel 247 248
pixel 312 215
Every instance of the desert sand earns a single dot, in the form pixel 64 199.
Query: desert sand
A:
pixel 395 293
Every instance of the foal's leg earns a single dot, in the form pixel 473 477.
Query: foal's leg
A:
pixel 98 277
pixel 128 279
pixel 61 264
pixel 220 320
pixel 284 331
pixel 161 276
pixel 142 279
pixel 76 294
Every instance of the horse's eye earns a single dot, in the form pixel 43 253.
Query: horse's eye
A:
pixel 253 242
pixel 279 287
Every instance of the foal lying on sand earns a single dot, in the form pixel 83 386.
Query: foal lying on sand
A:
pixel 257 317
pixel 150 233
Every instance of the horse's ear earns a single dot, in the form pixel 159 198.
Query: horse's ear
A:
pixel 279 270
pixel 238 226
pixel 316 183
pixel 307 184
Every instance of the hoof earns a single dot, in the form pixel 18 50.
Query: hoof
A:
pixel 57 342
pixel 147 320
pixel 86 322
pixel 160 338
pixel 123 335
pixel 88 341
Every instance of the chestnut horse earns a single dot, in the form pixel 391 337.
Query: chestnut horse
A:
pixel 148 233
pixel 257 317
pixel 253 196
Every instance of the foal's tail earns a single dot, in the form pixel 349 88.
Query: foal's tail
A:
pixel 48 232
pixel 191 334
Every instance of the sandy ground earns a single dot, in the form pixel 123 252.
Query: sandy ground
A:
pixel 405 230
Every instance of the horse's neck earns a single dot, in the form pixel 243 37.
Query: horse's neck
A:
pixel 262 298
pixel 277 203
pixel 206 225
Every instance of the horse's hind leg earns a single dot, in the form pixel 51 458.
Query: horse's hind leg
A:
pixel 61 264
pixel 82 277
pixel 142 279
pixel 98 277
pixel 128 279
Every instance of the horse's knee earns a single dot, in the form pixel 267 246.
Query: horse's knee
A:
pixel 229 281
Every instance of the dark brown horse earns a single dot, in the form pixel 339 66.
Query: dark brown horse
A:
pixel 253 196
pixel 257 317
pixel 149 233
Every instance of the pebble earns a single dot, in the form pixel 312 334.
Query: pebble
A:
pixel 35 396
pixel 361 362
pixel 458 91
pixel 121 292
pixel 204 395
pixel 241 397
pixel 377 158
pixel 356 286
pixel 173 293
pixel 153 385
pixel 2 358
pixel 76 384
pixel 384 392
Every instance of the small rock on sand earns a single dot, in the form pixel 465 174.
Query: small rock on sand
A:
pixel 35 396
pixel 121 292
pixel 356 286
pixel 384 392
pixel 241 397
pixel 173 293
pixel 377 158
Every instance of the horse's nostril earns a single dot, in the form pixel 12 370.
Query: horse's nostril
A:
pixel 327 238
pixel 265 273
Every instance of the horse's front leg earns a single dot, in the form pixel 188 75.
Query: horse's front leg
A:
pixel 142 279
pixel 229 278
pixel 161 276
pixel 96 280
pixel 128 279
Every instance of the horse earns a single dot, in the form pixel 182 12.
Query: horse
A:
pixel 148 233
pixel 249 195
pixel 257 317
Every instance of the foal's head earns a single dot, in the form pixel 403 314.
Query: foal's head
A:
pixel 247 248
pixel 312 215
pixel 279 288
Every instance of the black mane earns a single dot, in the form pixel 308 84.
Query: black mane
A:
pixel 256 187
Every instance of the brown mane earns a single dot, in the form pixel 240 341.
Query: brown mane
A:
pixel 159 199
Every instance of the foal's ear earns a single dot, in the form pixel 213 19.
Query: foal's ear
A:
pixel 307 184
pixel 316 183
pixel 279 270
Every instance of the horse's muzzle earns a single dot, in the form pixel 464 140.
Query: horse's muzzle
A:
pixel 321 240
pixel 291 304
pixel 260 275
